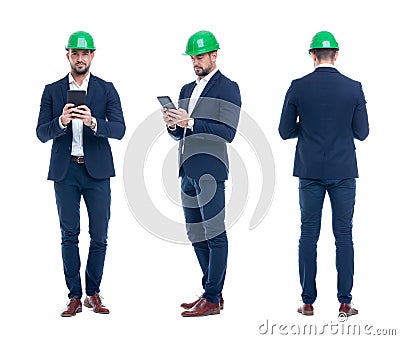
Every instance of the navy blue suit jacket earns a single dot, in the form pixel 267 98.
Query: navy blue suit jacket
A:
pixel 216 113
pixel 105 105
pixel 325 110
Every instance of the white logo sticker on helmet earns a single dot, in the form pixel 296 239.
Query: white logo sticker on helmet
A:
pixel 81 42
pixel 200 43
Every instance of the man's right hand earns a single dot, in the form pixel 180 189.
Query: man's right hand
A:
pixel 167 119
pixel 66 115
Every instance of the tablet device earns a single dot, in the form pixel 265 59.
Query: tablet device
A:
pixel 166 102
pixel 76 97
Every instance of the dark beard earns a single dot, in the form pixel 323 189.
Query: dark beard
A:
pixel 80 72
pixel 204 72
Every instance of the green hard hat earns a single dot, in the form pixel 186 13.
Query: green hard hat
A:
pixel 323 39
pixel 201 42
pixel 81 41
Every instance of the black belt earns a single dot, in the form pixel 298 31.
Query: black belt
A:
pixel 78 159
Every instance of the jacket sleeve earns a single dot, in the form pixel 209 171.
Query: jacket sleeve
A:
pixel 47 126
pixel 212 127
pixel 360 124
pixel 176 134
pixel 288 125
pixel 114 124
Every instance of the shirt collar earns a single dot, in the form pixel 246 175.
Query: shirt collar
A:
pixel 325 65
pixel 72 80
pixel 207 77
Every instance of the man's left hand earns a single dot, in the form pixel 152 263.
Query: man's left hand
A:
pixel 179 117
pixel 83 113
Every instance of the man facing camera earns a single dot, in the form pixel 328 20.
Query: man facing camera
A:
pixel 81 165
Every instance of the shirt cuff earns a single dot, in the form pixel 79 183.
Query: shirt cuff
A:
pixel 171 129
pixel 62 127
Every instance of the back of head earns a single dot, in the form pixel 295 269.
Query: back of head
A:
pixel 324 45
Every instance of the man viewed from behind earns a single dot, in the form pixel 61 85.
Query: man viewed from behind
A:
pixel 325 111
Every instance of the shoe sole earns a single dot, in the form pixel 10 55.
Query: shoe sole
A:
pixel 191 316
pixel 305 313
pixel 221 307
pixel 90 306
pixel 346 314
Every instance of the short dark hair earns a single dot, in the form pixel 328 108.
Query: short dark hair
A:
pixel 325 53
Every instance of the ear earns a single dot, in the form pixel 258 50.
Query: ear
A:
pixel 313 56
pixel 67 55
pixel 336 56
pixel 213 56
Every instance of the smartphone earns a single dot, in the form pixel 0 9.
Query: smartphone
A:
pixel 76 97
pixel 166 102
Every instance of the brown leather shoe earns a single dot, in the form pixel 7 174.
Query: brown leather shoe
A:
pixel 202 308
pixel 74 306
pixel 189 305
pixel 306 309
pixel 345 309
pixel 94 301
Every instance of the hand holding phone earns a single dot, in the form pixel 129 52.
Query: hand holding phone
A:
pixel 166 102
pixel 76 108
pixel 83 113
pixel 167 105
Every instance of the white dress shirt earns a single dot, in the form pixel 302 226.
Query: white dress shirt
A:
pixel 77 125
pixel 200 85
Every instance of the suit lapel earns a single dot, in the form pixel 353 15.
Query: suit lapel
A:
pixel 210 83
pixel 90 89
pixel 208 87
pixel 64 87
pixel 184 102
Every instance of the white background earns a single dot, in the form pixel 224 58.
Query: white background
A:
pixel 139 44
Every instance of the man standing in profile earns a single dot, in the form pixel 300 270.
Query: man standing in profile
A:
pixel 206 120
pixel 325 111
pixel 81 165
